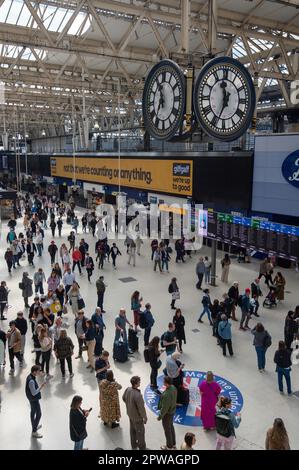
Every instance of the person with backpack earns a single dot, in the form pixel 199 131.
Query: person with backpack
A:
pixel 174 291
pixel 226 422
pixel 169 340
pixel 244 304
pixel 206 302
pixel 262 341
pixel 225 335
pixel 146 322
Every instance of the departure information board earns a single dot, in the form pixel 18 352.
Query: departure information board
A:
pixel 267 237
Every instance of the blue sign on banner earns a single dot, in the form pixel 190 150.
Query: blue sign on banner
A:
pixel 290 169
pixel 190 415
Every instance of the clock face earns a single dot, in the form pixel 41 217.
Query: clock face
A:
pixel 164 100
pixel 224 98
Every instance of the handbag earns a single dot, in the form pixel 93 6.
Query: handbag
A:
pixel 176 295
pixel 81 303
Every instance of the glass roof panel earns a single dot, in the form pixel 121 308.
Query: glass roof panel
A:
pixel 4 10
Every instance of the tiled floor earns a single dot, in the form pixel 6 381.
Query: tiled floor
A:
pixel 262 402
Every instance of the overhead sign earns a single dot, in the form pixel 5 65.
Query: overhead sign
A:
pixel 290 169
pixel 191 415
pixel 168 176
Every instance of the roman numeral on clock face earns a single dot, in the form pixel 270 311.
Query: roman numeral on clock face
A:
pixel 207 109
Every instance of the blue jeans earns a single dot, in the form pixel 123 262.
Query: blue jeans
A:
pixel 207 276
pixel 207 311
pixel 35 414
pixel 79 445
pixel 286 373
pixel 261 357
pixel 39 287
pixel 39 249
pixel 164 263
pixel 147 333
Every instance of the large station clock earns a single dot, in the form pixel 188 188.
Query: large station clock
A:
pixel 164 100
pixel 224 98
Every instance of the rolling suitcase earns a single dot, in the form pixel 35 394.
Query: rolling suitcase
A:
pixel 133 340
pixel 183 397
pixel 120 351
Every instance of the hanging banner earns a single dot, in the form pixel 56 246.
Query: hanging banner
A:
pixel 168 176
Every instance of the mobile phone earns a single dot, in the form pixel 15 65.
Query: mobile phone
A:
pixel 90 409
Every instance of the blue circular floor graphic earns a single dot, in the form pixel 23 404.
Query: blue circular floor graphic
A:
pixel 190 415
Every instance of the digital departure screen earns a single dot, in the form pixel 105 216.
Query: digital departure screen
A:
pixel 268 237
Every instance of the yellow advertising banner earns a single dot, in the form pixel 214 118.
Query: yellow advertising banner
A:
pixel 168 176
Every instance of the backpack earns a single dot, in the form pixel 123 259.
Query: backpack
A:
pixel 267 340
pixel 142 321
pixel 223 424
pixel 240 300
pixel 161 340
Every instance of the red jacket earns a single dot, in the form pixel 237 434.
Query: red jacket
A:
pixel 77 255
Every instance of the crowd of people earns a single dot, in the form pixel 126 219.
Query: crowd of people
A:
pixel 45 321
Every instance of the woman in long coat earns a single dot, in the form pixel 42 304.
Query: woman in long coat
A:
pixel 279 282
pixel 109 401
pixel 210 391
pixel 179 323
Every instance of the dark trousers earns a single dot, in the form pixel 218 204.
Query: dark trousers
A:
pixel 53 259
pixel 137 435
pixel 200 279
pixel 69 364
pixel 35 414
pixel 59 232
pixel 100 300
pixel 2 308
pixel 113 260
pixel 261 357
pixel 53 232
pixel 37 358
pixel 39 287
pixel 89 273
pixel 67 288
pixel 46 356
pixel 81 343
pixel 147 333
pixel 227 342
pixel 77 263
pixel 9 266
pixel 287 375
pixel 154 375
pixel 168 427
pixel 172 303
pixel 12 355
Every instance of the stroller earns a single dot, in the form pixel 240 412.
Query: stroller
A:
pixel 270 299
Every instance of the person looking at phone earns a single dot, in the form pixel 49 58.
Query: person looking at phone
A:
pixel 168 339
pixel 78 418
pixel 33 393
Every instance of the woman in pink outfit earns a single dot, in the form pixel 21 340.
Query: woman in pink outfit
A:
pixel 210 391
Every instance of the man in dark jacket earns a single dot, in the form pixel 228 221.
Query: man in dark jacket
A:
pixel 52 249
pixel 101 287
pixel 31 249
pixel 33 393
pixel 233 294
pixel 3 299
pixel 22 326
pixel 245 308
pixel 149 323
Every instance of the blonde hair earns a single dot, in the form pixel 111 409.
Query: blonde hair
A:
pixel 210 376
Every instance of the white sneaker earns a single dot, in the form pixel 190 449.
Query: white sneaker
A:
pixel 36 435
pixel 49 376
pixel 39 426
